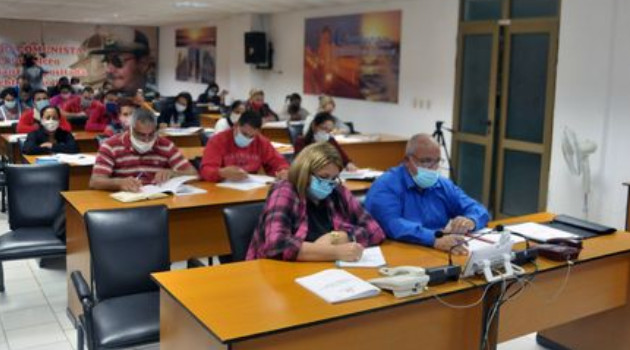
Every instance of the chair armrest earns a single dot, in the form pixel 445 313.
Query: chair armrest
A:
pixel 80 286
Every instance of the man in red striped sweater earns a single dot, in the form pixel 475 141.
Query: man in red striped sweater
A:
pixel 241 150
pixel 127 161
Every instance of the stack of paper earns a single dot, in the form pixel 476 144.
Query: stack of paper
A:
pixel 361 174
pixel 252 182
pixel 372 257
pixel 336 286
pixel 538 232
pixel 74 159
pixel 181 131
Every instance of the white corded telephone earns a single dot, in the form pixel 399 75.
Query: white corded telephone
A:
pixel 403 281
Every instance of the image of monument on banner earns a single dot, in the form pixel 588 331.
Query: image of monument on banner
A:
pixel 196 54
pixel 353 56
pixel 42 52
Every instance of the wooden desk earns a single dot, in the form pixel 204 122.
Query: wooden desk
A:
pixel 257 305
pixel 263 308
pixel 276 134
pixel 9 148
pixel 80 174
pixel 196 227
pixel 378 151
pixel 209 120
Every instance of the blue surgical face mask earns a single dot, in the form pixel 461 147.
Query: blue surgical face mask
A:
pixel 41 104
pixel 320 188
pixel 241 140
pixel 426 178
pixel 10 104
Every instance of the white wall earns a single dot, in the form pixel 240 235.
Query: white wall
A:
pixel 592 98
pixel 427 67
pixel 592 88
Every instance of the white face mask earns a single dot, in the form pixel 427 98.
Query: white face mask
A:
pixel 141 146
pixel 50 125
pixel 180 107
pixel 234 117
pixel 321 136
pixel 10 104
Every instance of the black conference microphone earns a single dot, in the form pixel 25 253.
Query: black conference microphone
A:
pixel 441 274
pixel 522 257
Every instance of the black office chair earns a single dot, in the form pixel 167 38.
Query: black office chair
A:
pixel 36 215
pixel 122 307
pixel 295 131
pixel 350 126
pixel 241 221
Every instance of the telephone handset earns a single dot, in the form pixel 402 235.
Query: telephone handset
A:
pixel 403 281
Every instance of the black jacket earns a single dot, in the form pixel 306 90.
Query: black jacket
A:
pixel 170 114
pixel 65 142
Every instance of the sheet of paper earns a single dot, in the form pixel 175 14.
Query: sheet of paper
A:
pixel 187 190
pixel 372 257
pixel 281 124
pixel 538 232
pixel 181 131
pixel 15 137
pixel 6 123
pixel 334 285
pixel 360 174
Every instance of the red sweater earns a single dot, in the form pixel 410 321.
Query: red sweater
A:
pixel 97 118
pixel 221 151
pixel 27 123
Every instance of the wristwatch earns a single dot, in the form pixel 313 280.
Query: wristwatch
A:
pixel 335 236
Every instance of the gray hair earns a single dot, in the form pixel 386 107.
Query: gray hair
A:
pixel 143 116
pixel 419 140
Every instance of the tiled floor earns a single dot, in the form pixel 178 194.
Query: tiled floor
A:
pixel 32 310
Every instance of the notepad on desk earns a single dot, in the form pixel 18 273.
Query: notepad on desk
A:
pixel 181 131
pixel 335 286
pixel 372 257
pixel 538 232
pixel 252 182
pixel 174 186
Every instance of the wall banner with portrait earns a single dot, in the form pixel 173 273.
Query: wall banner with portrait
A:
pixel 353 56
pixel 196 50
pixel 126 56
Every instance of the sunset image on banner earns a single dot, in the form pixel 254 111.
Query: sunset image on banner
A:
pixel 353 56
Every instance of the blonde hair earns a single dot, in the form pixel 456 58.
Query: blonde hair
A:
pixel 324 100
pixel 255 91
pixel 310 160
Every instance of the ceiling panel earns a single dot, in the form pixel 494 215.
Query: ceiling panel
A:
pixel 151 12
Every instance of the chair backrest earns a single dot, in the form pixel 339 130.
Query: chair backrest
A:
pixel 241 221
pixel 295 131
pixel 126 246
pixel 34 193
pixel 350 126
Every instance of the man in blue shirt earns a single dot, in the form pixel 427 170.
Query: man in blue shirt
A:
pixel 411 201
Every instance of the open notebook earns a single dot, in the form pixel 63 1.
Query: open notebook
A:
pixel 336 286
pixel 175 186
pixel 372 257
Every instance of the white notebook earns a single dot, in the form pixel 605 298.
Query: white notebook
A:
pixel 335 286
pixel 361 174
pixel 372 257
pixel 538 232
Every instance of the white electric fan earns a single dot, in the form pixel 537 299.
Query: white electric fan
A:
pixel 576 155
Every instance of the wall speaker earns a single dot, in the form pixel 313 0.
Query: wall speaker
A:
pixel 255 47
